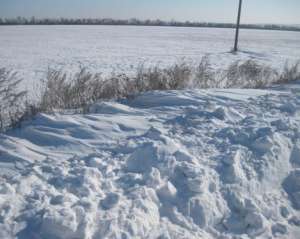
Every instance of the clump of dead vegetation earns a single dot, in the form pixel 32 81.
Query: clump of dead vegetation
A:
pixel 291 72
pixel 63 91
pixel 14 107
pixel 84 88
pixel 249 74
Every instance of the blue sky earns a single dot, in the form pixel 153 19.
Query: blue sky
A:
pixel 254 11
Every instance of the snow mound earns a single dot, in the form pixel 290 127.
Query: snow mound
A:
pixel 179 164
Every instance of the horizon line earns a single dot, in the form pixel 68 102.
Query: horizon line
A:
pixel 144 20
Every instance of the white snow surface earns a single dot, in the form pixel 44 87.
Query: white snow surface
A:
pixel 217 164
pixel 30 50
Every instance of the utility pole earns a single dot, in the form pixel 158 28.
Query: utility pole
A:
pixel 238 27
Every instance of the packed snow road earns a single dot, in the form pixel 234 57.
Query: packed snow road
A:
pixel 179 164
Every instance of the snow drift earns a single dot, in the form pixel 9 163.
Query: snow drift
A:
pixel 174 164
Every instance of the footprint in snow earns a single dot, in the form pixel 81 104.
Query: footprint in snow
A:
pixel 110 201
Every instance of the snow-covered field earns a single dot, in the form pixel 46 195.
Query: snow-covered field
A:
pixel 218 164
pixel 203 164
pixel 32 49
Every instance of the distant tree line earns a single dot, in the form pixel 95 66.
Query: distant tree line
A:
pixel 136 22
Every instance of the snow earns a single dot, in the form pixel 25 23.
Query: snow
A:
pixel 174 165
pixel 30 50
pixel 218 163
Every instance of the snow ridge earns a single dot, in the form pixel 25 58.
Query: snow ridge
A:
pixel 178 164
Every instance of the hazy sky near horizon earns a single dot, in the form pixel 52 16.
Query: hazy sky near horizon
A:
pixel 254 11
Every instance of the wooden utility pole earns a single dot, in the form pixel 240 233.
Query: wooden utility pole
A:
pixel 238 27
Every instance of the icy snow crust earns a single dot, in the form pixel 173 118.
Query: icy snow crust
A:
pixel 179 164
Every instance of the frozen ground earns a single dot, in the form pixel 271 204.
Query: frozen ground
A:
pixel 217 164
pixel 32 49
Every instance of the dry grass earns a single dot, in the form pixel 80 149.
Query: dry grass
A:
pixel 174 77
pixel 83 88
pixel 61 92
pixel 79 90
pixel 249 74
pixel 13 104
pixel 291 72
pixel 204 75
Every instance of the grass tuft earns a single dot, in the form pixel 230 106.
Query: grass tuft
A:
pixel 62 91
